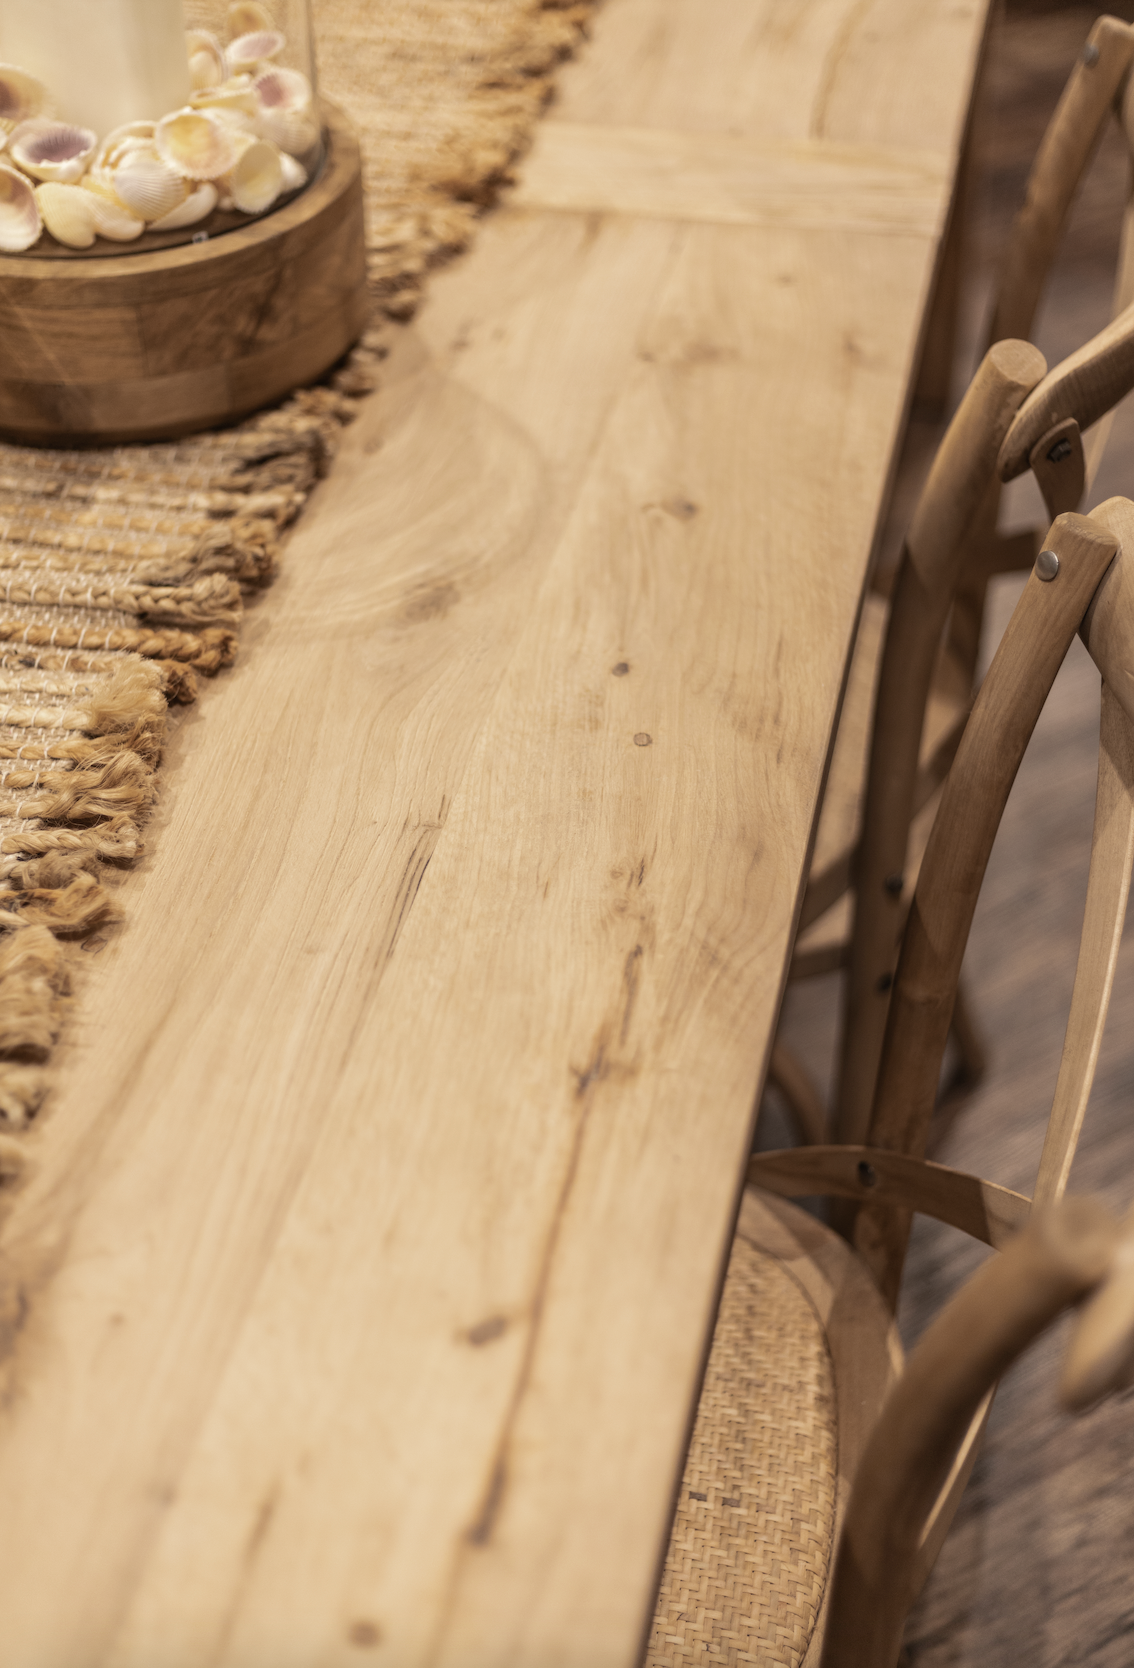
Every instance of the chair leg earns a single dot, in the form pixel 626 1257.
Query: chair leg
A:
pixel 800 1094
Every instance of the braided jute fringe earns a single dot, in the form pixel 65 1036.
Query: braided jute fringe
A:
pixel 125 572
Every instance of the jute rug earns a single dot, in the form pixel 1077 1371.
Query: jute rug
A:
pixel 125 570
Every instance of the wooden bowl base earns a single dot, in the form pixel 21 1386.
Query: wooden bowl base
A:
pixel 161 343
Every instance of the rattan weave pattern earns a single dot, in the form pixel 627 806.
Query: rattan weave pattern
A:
pixel 752 1537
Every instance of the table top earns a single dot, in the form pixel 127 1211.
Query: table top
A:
pixel 357 1304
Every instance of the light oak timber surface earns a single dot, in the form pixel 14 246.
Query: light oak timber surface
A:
pixel 724 178
pixel 357 1304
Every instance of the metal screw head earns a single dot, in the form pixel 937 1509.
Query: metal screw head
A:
pixel 1060 450
pixel 1090 55
pixel 1047 565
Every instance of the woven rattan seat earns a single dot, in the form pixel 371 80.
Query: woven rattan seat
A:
pixel 754 1531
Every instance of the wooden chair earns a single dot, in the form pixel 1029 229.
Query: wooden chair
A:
pixel 831 918
pixel 1097 89
pixel 809 1433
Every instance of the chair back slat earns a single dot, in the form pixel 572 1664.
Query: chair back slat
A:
pixel 1108 887
pixel 1070 141
pixel 1010 701
pixel 1084 386
pixel 961 476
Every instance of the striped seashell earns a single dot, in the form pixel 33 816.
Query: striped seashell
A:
pixel 114 221
pixel 247 17
pixel 50 150
pixel 69 213
pixel 282 89
pixel 120 142
pixel 257 179
pixel 196 206
pixel 20 220
pixel 21 95
pixel 235 102
pixel 287 114
pixel 258 48
pixel 147 186
pixel 294 173
pixel 76 214
pixel 195 143
pixel 207 64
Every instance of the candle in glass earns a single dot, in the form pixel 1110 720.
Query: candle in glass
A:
pixel 103 62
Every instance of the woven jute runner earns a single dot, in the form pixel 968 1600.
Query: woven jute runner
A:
pixel 125 571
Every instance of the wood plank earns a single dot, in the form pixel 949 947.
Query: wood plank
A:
pixel 719 177
pixel 891 72
pixel 386 635
pixel 360 1293
pixel 539 1089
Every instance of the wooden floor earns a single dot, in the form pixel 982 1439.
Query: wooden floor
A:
pixel 1038 1568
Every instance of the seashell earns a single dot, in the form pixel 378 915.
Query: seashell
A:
pixel 21 95
pixel 257 48
pixel 195 144
pixel 147 186
pixel 50 150
pixel 257 179
pixel 236 99
pixel 207 65
pixel 20 221
pixel 114 221
pixel 120 142
pixel 195 207
pixel 103 186
pixel 247 17
pixel 294 173
pixel 235 114
pixel 292 131
pixel 287 115
pixel 282 89
pixel 69 213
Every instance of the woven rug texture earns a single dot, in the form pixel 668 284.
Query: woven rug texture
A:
pixel 125 571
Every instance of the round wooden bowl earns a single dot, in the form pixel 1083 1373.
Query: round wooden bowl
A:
pixel 148 346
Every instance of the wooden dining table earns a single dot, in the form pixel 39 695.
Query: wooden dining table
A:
pixel 356 1299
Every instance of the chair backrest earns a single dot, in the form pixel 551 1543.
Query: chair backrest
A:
pixel 1099 86
pixel 953 544
pixel 904 1486
pixel 1085 584
pixel 1096 87
pixel 1078 552
pixel 914 1471
pixel 1064 402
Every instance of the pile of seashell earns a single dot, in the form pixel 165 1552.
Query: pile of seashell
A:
pixel 235 145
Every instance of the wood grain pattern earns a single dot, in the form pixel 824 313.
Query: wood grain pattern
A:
pixel 366 1294
pixel 154 344
pixel 718 177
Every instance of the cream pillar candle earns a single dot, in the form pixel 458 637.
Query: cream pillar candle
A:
pixel 104 62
